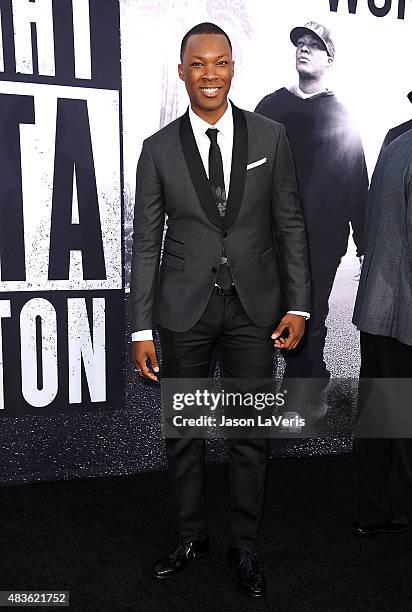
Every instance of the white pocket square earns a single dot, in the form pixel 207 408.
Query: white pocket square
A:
pixel 259 162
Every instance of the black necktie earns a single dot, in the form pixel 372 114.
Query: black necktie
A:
pixel 216 176
pixel 217 182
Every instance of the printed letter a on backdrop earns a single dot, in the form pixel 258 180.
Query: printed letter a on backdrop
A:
pixel 75 230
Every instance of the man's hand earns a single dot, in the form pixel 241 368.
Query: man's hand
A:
pixel 295 324
pixel 144 352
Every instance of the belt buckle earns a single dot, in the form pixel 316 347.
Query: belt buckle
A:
pixel 224 292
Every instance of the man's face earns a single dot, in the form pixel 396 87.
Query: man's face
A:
pixel 207 70
pixel 312 59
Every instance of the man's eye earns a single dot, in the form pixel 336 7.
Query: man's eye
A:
pixel 222 63
pixel 196 64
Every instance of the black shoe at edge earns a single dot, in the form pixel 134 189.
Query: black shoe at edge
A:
pixel 250 578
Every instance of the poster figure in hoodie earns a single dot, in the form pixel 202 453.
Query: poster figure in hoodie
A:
pixel 333 183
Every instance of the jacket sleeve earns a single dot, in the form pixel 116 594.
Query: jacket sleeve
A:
pixel 290 232
pixel 149 218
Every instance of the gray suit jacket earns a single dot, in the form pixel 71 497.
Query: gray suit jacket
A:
pixel 263 230
pixel 384 301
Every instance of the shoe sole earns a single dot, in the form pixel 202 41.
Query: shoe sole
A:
pixel 249 594
pixel 362 534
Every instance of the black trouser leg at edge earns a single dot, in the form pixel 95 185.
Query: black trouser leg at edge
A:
pixel 381 357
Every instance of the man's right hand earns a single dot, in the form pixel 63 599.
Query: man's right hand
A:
pixel 144 353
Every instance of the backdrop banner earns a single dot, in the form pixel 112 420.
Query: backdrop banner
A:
pixel 61 296
pixel 82 84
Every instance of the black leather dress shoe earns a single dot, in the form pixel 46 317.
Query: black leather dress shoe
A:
pixel 180 556
pixel 366 530
pixel 250 579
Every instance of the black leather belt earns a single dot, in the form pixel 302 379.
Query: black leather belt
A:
pixel 219 291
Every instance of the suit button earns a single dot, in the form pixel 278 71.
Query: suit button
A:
pixel 214 269
pixel 224 234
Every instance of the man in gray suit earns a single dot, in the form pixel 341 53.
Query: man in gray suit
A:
pixel 383 313
pixel 226 181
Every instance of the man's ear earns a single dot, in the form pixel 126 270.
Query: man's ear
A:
pixel 330 61
pixel 233 68
pixel 180 71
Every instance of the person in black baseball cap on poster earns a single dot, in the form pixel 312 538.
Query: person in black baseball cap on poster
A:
pixel 316 30
pixel 333 184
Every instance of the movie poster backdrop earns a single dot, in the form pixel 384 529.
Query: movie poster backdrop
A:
pixel 82 83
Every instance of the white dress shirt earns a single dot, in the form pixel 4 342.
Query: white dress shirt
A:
pixel 225 142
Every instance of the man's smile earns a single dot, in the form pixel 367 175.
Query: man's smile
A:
pixel 210 92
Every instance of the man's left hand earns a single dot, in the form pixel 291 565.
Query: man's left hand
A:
pixel 295 325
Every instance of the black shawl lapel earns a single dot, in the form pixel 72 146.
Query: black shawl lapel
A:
pixel 197 171
pixel 238 170
pixel 198 174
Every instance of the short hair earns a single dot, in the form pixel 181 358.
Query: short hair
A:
pixel 202 28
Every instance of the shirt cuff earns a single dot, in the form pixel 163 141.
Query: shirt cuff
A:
pixel 306 315
pixel 145 334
